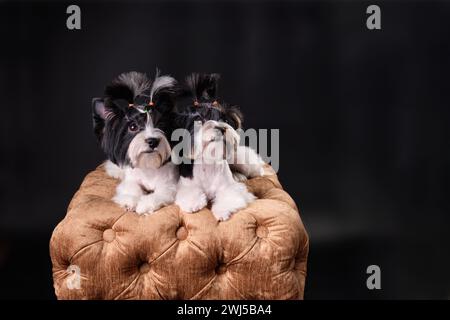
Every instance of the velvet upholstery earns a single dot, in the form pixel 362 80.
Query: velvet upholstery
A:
pixel 259 253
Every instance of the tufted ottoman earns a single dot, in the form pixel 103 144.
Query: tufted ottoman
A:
pixel 101 251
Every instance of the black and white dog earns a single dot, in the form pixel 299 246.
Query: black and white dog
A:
pixel 133 123
pixel 205 173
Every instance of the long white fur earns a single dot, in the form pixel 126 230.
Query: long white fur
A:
pixel 113 170
pixel 247 162
pixel 138 82
pixel 161 82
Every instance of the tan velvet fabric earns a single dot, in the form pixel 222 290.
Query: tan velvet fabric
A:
pixel 260 253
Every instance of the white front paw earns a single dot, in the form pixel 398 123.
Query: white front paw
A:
pixel 126 201
pixel 230 201
pixel 147 205
pixel 191 202
pixel 221 213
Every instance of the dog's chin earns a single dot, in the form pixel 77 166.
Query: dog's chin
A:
pixel 149 160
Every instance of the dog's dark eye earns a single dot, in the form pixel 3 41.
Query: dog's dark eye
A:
pixel 132 126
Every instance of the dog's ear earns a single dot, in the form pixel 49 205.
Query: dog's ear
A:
pixel 203 87
pixel 98 116
pixel 234 117
pixel 101 113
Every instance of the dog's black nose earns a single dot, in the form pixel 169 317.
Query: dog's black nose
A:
pixel 221 129
pixel 152 142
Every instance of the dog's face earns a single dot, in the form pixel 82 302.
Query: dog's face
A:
pixel 216 140
pixel 212 125
pixel 134 119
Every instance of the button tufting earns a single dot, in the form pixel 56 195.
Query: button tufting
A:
pixel 262 231
pixel 221 268
pixel 292 265
pixel 182 233
pixel 109 235
pixel 144 268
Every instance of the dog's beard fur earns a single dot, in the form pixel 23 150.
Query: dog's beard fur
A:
pixel 142 156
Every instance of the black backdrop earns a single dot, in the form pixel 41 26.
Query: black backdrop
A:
pixel 363 118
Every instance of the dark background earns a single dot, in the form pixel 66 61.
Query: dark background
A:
pixel 363 118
